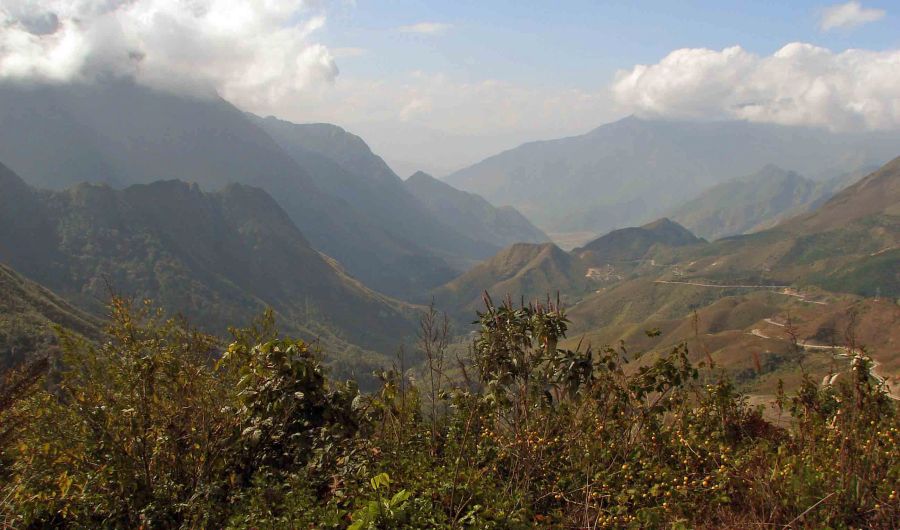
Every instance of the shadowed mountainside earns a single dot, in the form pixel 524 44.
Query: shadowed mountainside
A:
pixel 342 165
pixel 121 134
pixel 470 214
pixel 29 314
pixel 219 257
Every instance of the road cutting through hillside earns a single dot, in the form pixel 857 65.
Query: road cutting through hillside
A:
pixel 784 289
pixel 839 351
pixel 698 284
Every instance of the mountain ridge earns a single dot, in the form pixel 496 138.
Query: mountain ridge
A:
pixel 122 134
pixel 634 170
pixel 220 257
pixel 342 165
pixel 633 243
pixel 29 316
pixel 739 205
pixel 471 214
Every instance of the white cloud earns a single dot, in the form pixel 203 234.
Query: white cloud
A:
pixel 426 28
pixel 849 15
pixel 800 84
pixel 253 52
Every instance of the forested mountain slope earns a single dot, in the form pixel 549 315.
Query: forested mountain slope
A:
pixel 29 314
pixel 219 257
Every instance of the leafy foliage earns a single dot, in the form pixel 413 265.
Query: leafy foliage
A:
pixel 147 430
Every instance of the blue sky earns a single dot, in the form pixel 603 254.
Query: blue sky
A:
pixel 575 43
pixel 439 85
pixel 546 48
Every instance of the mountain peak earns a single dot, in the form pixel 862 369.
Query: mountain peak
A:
pixel 331 141
pixel 421 176
pixel 528 270
pixel 634 243
pixel 672 232
pixel 663 223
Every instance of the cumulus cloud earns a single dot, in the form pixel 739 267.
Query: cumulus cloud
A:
pixel 426 28
pixel 252 52
pixel 800 84
pixel 849 15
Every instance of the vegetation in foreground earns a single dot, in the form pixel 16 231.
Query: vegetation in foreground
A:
pixel 161 426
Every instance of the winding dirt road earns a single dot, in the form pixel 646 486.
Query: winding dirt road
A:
pixel 784 289
pixel 840 351
pixel 836 350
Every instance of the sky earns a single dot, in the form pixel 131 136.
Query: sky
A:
pixel 440 85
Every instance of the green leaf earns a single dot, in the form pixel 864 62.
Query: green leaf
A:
pixel 399 498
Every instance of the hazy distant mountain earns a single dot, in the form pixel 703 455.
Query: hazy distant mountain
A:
pixel 877 194
pixel 122 134
pixel 219 258
pixel 28 314
pixel 849 244
pixel 470 214
pixel 824 191
pixel 635 243
pixel 740 205
pixel 345 149
pixel 627 172
pixel 342 165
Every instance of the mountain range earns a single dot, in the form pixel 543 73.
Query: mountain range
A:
pixel 217 214
pixel 536 271
pixel 756 201
pixel 634 170
pixel 848 244
pixel 220 257
pixel 730 299
pixel 851 243
pixel 341 196
pixel 342 165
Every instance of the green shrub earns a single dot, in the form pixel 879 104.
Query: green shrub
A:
pixel 160 426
